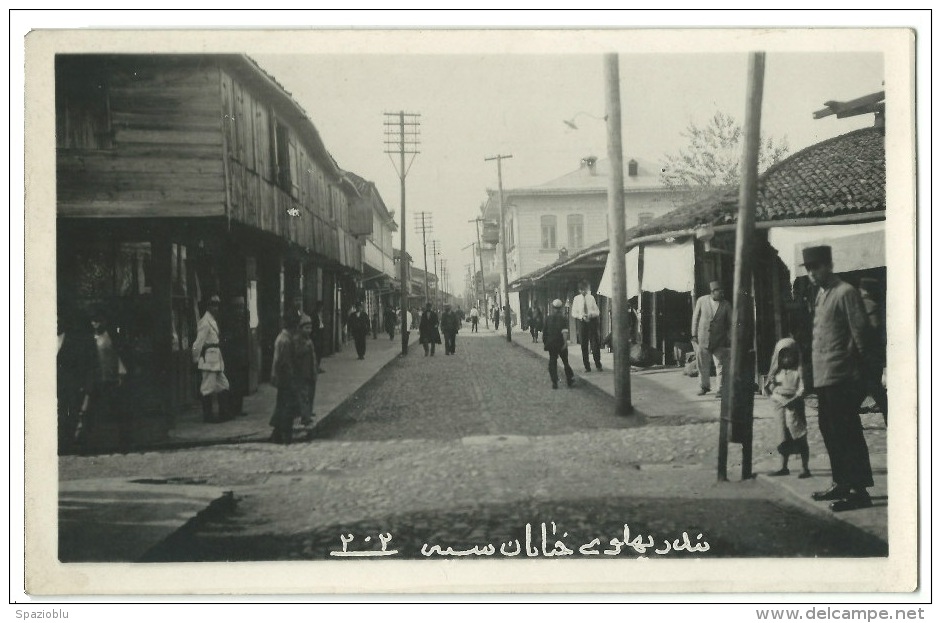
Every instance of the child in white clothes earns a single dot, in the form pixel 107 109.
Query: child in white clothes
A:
pixel 785 386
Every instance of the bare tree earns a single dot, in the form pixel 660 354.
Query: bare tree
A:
pixel 710 162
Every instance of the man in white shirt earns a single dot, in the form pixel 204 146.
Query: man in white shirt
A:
pixel 588 324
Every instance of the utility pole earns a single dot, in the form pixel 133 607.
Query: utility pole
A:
pixel 620 325
pixel 738 397
pixel 483 289
pixel 444 282
pixel 435 252
pixel 402 137
pixel 423 224
pixel 503 278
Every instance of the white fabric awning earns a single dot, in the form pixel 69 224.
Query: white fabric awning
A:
pixel 633 280
pixel 856 246
pixel 669 267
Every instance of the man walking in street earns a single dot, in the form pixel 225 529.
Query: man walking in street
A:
pixel 428 334
pixel 555 341
pixel 838 350
pixel 496 318
pixel 450 324
pixel 711 336
pixel 474 317
pixel 535 322
pixel 358 325
pixel 588 323
pixel 390 319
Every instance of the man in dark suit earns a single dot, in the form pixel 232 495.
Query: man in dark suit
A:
pixel 711 335
pixel 555 341
pixel 359 329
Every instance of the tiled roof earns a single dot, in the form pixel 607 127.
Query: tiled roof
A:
pixel 842 175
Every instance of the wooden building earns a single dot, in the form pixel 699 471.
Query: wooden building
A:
pixel 179 177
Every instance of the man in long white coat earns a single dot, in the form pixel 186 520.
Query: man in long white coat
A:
pixel 711 335
pixel 208 357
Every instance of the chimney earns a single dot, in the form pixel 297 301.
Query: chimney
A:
pixel 589 162
pixel 632 168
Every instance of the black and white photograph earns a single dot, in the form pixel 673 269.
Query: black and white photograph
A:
pixel 594 311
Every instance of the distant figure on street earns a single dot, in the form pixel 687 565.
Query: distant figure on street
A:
pixel 838 348
pixel 450 325
pixel 474 319
pixel 460 315
pixel 428 334
pixel 555 341
pixel 588 324
pixel 318 335
pixel 235 345
pixel 785 386
pixel 535 321
pixel 358 325
pixel 305 367
pixel 207 354
pixel 711 336
pixel 390 322
pixel 495 316
pixel 284 377
pixel 876 344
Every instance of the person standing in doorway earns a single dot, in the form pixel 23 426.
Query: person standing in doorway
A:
pixel 450 325
pixel 838 352
pixel 587 322
pixel 428 334
pixel 358 325
pixel 235 346
pixel 875 344
pixel 207 354
pixel 105 399
pixel 555 342
pixel 711 336
pixel 76 374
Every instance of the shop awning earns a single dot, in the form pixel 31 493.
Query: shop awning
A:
pixel 667 266
pixel 633 280
pixel 856 246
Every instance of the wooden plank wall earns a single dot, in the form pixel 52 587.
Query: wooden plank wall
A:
pixel 311 211
pixel 164 156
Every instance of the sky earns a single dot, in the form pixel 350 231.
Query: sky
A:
pixel 474 106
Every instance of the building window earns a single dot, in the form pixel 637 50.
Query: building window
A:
pixel 286 159
pixel 83 119
pixel 644 217
pixel 548 226
pixel 576 229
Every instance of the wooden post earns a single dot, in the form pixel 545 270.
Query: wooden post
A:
pixel 738 397
pixel 620 326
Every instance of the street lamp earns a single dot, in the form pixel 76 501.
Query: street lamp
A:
pixel 571 122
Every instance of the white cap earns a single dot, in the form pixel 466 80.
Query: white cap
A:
pixel 557 303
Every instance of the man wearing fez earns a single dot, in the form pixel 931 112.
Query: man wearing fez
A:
pixel 359 328
pixel 588 323
pixel 837 354
pixel 711 335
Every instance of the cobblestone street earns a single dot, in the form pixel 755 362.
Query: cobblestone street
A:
pixel 467 450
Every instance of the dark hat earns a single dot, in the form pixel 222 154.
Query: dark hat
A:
pixel 815 256
pixel 868 283
pixel 305 319
pixel 214 299
pixel 714 285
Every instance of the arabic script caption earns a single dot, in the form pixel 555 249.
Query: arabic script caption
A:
pixel 547 543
